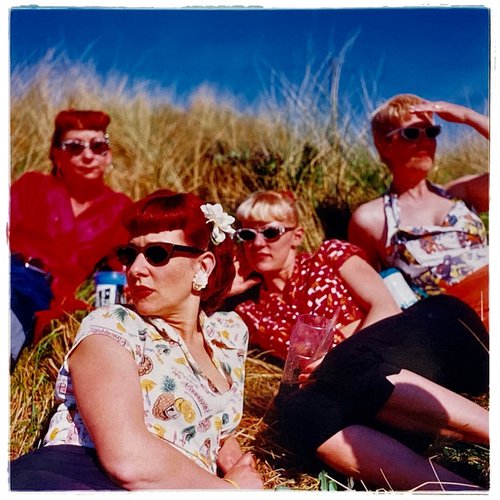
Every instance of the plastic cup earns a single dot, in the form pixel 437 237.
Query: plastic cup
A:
pixel 109 288
pixel 311 338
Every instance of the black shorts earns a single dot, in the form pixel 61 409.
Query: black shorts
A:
pixel 59 468
pixel 440 338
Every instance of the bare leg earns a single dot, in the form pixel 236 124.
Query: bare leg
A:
pixel 381 461
pixel 419 405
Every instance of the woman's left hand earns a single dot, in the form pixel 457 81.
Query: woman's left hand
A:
pixel 229 453
pixel 244 473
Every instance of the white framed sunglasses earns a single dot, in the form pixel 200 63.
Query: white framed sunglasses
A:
pixel 271 233
pixel 414 133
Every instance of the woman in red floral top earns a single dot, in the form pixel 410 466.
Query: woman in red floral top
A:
pixel 391 377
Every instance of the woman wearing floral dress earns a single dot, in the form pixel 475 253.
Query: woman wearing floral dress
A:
pixel 150 395
pixel 433 234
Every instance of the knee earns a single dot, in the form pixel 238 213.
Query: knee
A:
pixel 340 450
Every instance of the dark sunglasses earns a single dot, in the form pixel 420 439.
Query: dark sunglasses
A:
pixel 157 254
pixel 75 147
pixel 270 233
pixel 414 133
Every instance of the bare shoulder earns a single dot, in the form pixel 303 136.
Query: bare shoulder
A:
pixel 369 214
pixel 366 229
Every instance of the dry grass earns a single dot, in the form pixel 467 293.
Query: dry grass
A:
pixel 296 142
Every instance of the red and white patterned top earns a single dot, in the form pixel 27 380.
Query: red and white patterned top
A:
pixel 315 286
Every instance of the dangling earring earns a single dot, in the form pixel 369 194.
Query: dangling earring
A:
pixel 200 280
pixel 109 168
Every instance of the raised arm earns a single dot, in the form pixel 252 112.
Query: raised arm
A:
pixel 474 189
pixel 369 289
pixel 455 113
pixel 109 398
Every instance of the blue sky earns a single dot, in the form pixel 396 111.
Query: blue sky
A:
pixel 439 53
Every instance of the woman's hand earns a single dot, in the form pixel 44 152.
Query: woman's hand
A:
pixel 305 377
pixel 245 278
pixel 454 113
pixel 243 473
pixel 229 453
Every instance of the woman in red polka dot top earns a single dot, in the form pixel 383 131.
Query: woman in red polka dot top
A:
pixel 390 384
pixel 293 283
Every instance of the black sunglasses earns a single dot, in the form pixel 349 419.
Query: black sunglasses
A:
pixel 270 233
pixel 414 133
pixel 75 147
pixel 157 254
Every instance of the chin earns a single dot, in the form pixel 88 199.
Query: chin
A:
pixel 145 309
pixel 422 164
pixel 263 267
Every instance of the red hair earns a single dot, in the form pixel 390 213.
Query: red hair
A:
pixel 165 210
pixel 74 119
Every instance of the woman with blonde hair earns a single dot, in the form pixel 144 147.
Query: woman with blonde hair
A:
pixel 432 233
pixel 391 381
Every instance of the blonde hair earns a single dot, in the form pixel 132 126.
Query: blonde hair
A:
pixel 391 114
pixel 265 206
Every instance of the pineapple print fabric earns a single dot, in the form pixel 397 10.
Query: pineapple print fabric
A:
pixel 434 257
pixel 181 405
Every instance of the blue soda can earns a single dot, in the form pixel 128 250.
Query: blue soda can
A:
pixel 109 288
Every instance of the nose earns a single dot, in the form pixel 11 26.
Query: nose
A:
pixel 87 153
pixel 259 240
pixel 139 267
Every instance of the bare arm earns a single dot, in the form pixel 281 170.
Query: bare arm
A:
pixel 471 188
pixel 474 189
pixel 114 415
pixel 455 113
pixel 369 290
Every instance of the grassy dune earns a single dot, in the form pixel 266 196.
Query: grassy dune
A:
pixel 221 153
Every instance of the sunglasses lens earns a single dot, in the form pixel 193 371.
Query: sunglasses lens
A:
pixel 99 147
pixel 271 233
pixel 126 255
pixel 157 255
pixel 74 148
pixel 246 234
pixel 433 131
pixel 411 133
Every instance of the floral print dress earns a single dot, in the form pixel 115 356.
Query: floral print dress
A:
pixel 435 257
pixel 181 405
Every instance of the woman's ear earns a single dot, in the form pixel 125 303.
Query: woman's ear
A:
pixel 298 236
pixel 109 157
pixel 206 262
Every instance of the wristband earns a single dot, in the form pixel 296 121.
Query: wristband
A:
pixel 230 481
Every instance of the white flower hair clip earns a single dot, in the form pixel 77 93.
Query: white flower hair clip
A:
pixel 221 221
